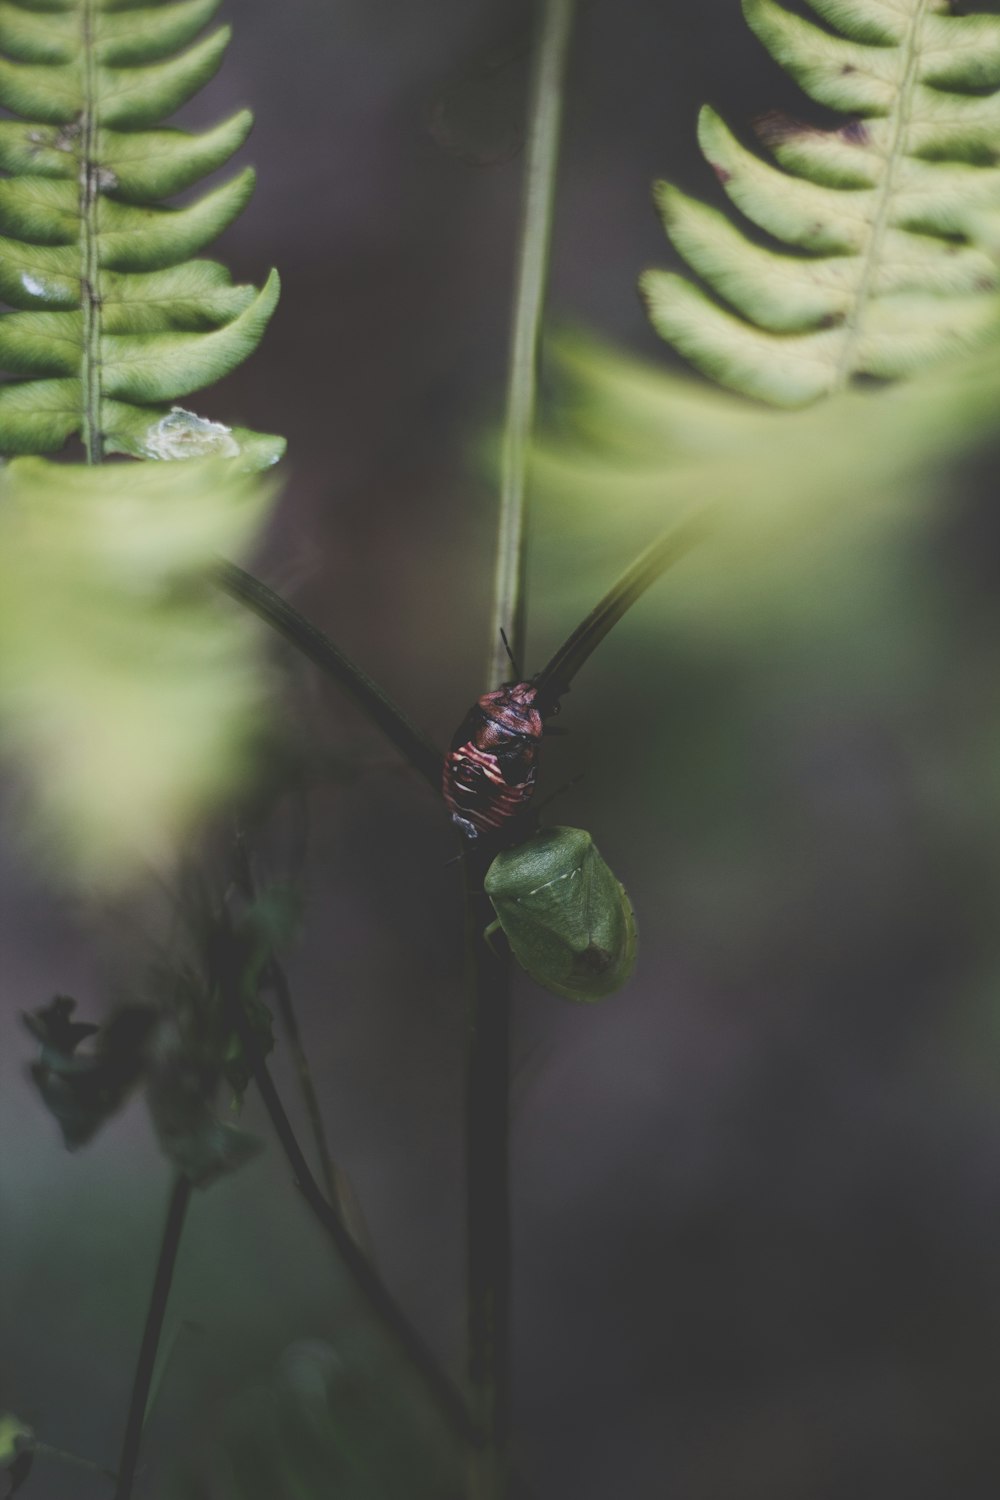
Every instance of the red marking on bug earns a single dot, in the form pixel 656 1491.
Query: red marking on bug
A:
pixel 489 771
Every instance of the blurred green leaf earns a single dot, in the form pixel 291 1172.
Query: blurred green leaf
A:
pixel 130 691
pixel 798 503
pixel 190 1053
pixel 17 1451
pixel 329 1424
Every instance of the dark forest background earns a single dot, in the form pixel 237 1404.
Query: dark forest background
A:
pixel 757 1194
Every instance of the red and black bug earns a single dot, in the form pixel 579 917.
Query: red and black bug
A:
pixel 489 772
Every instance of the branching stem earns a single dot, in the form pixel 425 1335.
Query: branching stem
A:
pixel 180 1196
pixel 439 1388
pixel 338 1188
pixel 556 676
pixel 422 754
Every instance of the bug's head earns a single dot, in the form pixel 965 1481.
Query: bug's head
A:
pixel 513 707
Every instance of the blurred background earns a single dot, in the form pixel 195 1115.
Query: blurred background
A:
pixel 757 1194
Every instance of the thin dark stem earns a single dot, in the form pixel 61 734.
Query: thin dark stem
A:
pixel 488 1231
pixel 422 754
pixel 60 1455
pixel 338 1188
pixel 180 1196
pixel 366 1279
pixel 488 1226
pixel 339 1191
pixel 556 676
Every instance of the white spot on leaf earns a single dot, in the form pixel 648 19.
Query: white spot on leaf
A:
pixel 183 434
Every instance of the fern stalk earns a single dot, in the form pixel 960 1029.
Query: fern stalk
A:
pixel 89 264
pixel 488 1229
pixel 545 112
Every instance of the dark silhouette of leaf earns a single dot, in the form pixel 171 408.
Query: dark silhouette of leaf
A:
pixel 83 1089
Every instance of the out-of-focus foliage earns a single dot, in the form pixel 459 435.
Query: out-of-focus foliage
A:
pixel 179 1042
pixel 882 213
pixel 793 500
pixel 566 915
pixel 84 1089
pixel 17 1451
pixel 331 1422
pixel 129 687
pixel 112 314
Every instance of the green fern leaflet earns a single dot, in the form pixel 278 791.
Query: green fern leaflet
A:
pixel 886 216
pixel 114 319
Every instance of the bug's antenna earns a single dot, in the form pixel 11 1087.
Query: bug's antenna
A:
pixel 510 654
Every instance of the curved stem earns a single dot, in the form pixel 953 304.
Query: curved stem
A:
pixel 180 1197
pixel 338 1188
pixel 439 1388
pixel 422 754
pixel 74 1460
pixel 545 115
pixel 556 676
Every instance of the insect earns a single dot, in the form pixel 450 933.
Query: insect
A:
pixel 565 914
pixel 489 771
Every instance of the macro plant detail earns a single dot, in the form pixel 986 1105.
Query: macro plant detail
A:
pixel 146 725
pixel 889 217
pixel 114 314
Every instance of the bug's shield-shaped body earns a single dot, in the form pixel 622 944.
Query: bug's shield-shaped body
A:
pixel 489 772
pixel 565 914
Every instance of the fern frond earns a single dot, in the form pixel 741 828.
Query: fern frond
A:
pixel 113 321
pixel 882 215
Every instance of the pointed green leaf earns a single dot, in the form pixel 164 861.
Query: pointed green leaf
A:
pixel 154 164
pixel 38 416
pixel 141 34
pixel 41 343
pixel 144 239
pixel 164 366
pixel 39 275
pixel 134 97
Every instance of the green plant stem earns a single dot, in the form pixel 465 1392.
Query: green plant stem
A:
pixel 180 1196
pixel 545 115
pixel 557 675
pixel 421 753
pixel 367 1282
pixel 488 1231
pixel 90 290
